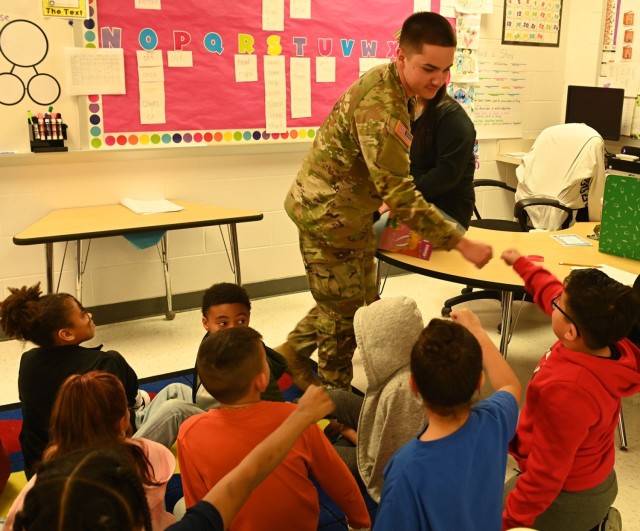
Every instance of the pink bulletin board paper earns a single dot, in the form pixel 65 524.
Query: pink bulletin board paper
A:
pixel 204 103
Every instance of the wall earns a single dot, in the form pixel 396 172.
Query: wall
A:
pixel 31 185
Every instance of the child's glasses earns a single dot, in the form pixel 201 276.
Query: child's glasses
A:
pixel 554 304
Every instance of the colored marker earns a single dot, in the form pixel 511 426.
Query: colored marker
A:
pixel 47 125
pixel 54 126
pixel 42 135
pixel 60 128
pixel 30 121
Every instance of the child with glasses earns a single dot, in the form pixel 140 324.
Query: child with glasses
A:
pixel 564 442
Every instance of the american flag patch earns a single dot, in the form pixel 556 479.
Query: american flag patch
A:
pixel 403 133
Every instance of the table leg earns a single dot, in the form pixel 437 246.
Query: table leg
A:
pixel 622 432
pixel 48 249
pixel 79 270
pixel 164 256
pixel 505 332
pixel 378 275
pixel 235 253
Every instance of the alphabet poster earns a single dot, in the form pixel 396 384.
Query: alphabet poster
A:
pixel 232 72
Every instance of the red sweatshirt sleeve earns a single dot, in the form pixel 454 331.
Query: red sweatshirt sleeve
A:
pixel 538 282
pixel 558 433
pixel 336 479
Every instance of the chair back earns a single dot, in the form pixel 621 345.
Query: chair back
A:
pixel 493 223
pixel 566 163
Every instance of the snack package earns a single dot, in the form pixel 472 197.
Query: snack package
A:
pixel 399 238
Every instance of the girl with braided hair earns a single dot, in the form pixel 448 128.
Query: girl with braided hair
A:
pixel 91 410
pixel 93 488
pixel 58 324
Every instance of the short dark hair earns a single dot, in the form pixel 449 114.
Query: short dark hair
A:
pixel 228 361
pixel 603 309
pixel 446 364
pixel 90 488
pixel 423 28
pixel 224 293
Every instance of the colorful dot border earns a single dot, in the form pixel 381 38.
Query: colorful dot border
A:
pixel 185 138
pixel 98 139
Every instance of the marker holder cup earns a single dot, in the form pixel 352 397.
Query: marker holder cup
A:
pixel 39 145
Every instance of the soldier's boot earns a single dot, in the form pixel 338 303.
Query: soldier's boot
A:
pixel 299 367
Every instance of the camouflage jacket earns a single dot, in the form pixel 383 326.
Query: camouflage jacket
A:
pixel 359 158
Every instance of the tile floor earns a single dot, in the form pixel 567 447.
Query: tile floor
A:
pixel 154 346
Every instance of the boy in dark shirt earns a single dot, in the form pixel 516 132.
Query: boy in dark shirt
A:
pixel 227 305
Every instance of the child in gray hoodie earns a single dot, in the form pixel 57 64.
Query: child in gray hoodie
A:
pixel 389 414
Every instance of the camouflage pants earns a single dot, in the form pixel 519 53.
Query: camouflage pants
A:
pixel 341 281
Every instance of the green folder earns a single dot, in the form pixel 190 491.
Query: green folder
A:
pixel 620 225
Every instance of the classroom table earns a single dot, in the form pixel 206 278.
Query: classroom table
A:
pixel 102 221
pixel 451 266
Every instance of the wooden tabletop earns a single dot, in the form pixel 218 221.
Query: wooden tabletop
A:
pixel 114 220
pixel 451 266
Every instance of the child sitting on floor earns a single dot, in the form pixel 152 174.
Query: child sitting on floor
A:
pixel 96 487
pixel 388 415
pixel 227 305
pixel 564 444
pixel 233 367
pixel 91 409
pixel 58 324
pixel 451 476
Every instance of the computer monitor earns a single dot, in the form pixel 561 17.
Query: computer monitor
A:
pixel 598 107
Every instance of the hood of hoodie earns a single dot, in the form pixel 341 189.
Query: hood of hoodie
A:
pixel 386 331
pixel 620 378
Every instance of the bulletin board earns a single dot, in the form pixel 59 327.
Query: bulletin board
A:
pixel 204 103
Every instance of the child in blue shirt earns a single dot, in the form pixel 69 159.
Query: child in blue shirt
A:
pixel 451 476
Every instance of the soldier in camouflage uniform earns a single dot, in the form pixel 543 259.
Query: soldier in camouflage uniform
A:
pixel 359 159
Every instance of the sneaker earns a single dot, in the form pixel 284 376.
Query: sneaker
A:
pixel 142 400
pixel 611 522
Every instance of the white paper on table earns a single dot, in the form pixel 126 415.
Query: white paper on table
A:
pixel 622 276
pixel 155 206
pixel 571 240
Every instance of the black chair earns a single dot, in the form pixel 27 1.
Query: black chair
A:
pixel 521 223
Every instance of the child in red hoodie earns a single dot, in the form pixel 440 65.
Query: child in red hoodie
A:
pixel 564 442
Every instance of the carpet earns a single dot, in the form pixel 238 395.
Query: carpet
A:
pixel 331 517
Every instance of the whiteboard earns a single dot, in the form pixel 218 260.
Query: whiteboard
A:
pixel 32 72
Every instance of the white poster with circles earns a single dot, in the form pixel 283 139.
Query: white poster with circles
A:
pixel 32 77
